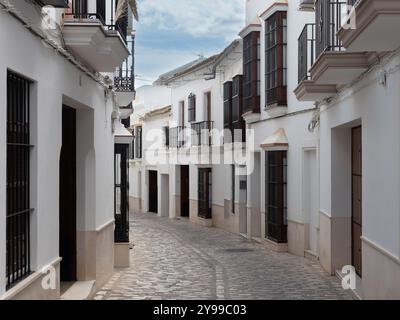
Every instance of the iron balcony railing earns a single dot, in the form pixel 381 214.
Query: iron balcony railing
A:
pixel 79 10
pixel 328 16
pixel 306 51
pixel 177 137
pixel 124 78
pixel 201 133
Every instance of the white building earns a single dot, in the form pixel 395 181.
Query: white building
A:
pixel 194 100
pixel 59 111
pixel 353 75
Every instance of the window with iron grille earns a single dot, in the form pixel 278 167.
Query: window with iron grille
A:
pixel 276 59
pixel 18 179
pixel 192 108
pixel 228 106
pixel 238 123
pixel 138 141
pixel 276 195
pixel 251 72
pixel 204 193
pixel 166 136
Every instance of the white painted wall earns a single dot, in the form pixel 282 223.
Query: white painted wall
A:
pixel 56 81
pixel 362 104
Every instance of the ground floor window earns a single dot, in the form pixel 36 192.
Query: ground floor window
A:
pixel 18 179
pixel 276 195
pixel 204 193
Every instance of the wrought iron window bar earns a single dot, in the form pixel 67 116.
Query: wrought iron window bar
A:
pixel 201 133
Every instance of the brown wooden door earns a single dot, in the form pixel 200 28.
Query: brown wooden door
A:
pixel 184 191
pixel 204 193
pixel 356 218
pixel 153 192
pixel 67 200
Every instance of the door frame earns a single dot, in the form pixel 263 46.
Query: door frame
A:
pixel 359 271
pixel 68 197
pixel 185 208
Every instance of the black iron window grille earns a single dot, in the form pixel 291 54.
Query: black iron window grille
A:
pixel 121 193
pixel 276 195
pixel 238 123
pixel 166 136
pixel 192 108
pixel 201 133
pixel 251 72
pixel 228 105
pixel 138 142
pixel 204 193
pixel 276 59
pixel 18 179
pixel 177 137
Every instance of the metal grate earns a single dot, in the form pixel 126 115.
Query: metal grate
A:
pixel 18 182
pixel 201 133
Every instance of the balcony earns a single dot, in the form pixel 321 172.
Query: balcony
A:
pixel 201 133
pixel 324 64
pixel 124 80
pixel 372 27
pixel 98 42
pixel 177 137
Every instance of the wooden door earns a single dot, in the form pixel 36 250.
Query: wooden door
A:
pixel 153 192
pixel 356 219
pixel 184 191
pixel 67 199
pixel 204 193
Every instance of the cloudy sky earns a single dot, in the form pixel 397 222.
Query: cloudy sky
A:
pixel 171 33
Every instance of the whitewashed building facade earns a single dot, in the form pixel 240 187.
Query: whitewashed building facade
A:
pixel 59 109
pixel 350 68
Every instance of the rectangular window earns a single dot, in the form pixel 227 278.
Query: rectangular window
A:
pixel 182 113
pixel 204 193
pixel 166 136
pixel 138 139
pixel 227 105
pixel 18 179
pixel 251 72
pixel 275 59
pixel 238 123
pixel 192 108
pixel 276 195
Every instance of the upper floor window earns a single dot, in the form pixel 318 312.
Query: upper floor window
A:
pixel 251 70
pixel 166 136
pixel 238 123
pixel 227 105
pixel 138 141
pixel 192 108
pixel 276 59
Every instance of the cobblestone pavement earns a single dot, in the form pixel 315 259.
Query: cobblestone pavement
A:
pixel 174 259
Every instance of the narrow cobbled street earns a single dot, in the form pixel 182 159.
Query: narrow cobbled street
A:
pixel 174 259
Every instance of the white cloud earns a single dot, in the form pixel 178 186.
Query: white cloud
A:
pixel 212 18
